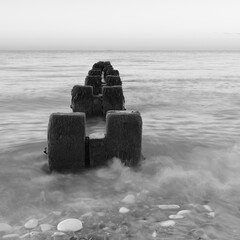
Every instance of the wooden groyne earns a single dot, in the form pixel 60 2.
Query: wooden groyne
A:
pixel 70 150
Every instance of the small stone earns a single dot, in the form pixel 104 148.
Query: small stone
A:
pixel 24 236
pixel 124 210
pixel 99 237
pixel 101 214
pixel 177 216
pixel 11 236
pixel 106 229
pixel 34 233
pixel 154 234
pixel 208 208
pixel 101 225
pixel 168 223
pixel 129 199
pixel 59 236
pixel 45 227
pixel 4 227
pixel 169 207
pixel 211 214
pixel 88 214
pixel 70 225
pixel 183 212
pixel 32 223
pixel 57 213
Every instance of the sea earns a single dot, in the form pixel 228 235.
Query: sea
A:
pixel 190 106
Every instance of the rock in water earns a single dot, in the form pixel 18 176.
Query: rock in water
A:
pixel 11 236
pixel 183 212
pixel 45 227
pixel 177 216
pixel 124 210
pixel 32 223
pixel 169 207
pixel 169 223
pixel 4 227
pixel 211 214
pixel 154 234
pixel 70 225
pixel 129 199
pixel 59 236
pixel 208 208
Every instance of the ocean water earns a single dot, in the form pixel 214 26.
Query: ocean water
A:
pixel 190 105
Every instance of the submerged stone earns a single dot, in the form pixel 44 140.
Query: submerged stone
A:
pixel 45 227
pixel 129 199
pixel 124 210
pixel 169 207
pixel 177 216
pixel 168 223
pixel 32 223
pixel 5 227
pixel 182 212
pixel 59 236
pixel 70 225
pixel 211 214
pixel 11 236
pixel 208 208
pixel 154 234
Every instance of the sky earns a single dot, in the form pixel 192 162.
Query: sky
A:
pixel 119 25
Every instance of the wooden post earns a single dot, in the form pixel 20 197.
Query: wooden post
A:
pixel 113 99
pixel 124 136
pixel 82 99
pixel 66 142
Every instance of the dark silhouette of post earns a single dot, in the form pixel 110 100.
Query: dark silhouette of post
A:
pixel 124 136
pixel 113 99
pixel 66 142
pixel 82 99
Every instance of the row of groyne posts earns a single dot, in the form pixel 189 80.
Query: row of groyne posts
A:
pixel 70 150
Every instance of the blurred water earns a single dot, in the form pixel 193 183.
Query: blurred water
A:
pixel 190 105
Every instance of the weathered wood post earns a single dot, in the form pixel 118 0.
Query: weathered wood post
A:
pixel 112 80
pixel 97 150
pixel 95 82
pixel 66 142
pixel 113 99
pixel 124 136
pixel 82 99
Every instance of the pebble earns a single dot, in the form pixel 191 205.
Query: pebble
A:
pixel 70 225
pixel 32 223
pixel 57 213
pixel 129 199
pixel 45 227
pixel 33 234
pixel 124 210
pixel 59 236
pixel 208 208
pixel 211 214
pixel 24 236
pixel 182 212
pixel 177 216
pixel 101 214
pixel 4 227
pixel 154 234
pixel 169 207
pixel 11 236
pixel 168 223
pixel 88 214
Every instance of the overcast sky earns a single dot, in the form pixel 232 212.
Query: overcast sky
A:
pixel 120 24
